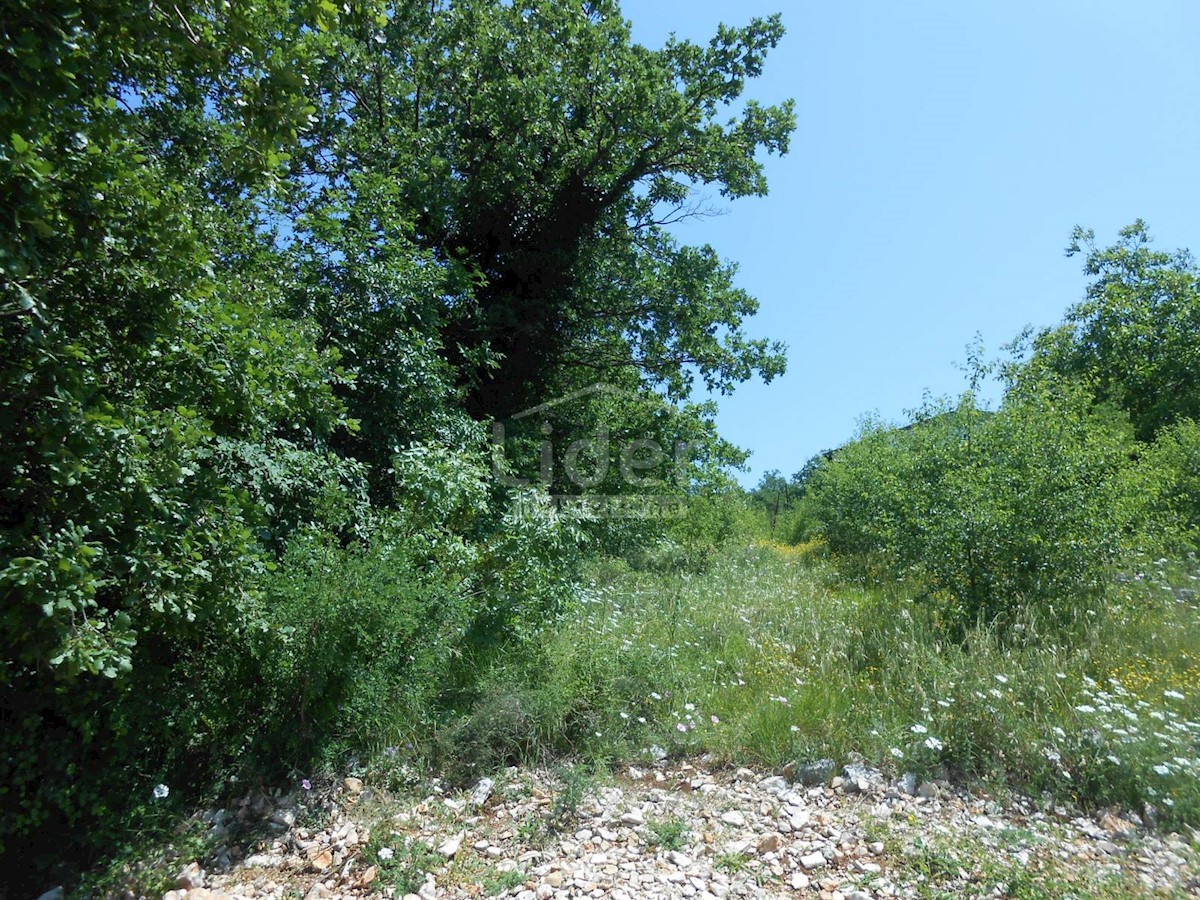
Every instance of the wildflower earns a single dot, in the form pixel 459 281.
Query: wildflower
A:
pixel 1174 695
pixel 919 729
pixel 689 706
pixel 161 791
pixel 794 729
pixel 1112 759
pixel 1162 769
pixel 306 784
pixel 897 752
pixel 716 721
pixel 1053 755
pixel 624 715
pixel 1003 679
pixel 385 853
pixel 934 744
pixel 1085 708
pixel 681 728
pixel 655 695
pixel 944 704
pixel 641 720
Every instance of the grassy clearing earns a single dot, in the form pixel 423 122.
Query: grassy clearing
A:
pixel 767 658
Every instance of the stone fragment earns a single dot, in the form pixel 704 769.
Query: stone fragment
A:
pixel 775 784
pixel 769 843
pixel 264 861
pixel 450 846
pixel 190 876
pixel 816 773
pixel 483 791
pixel 860 779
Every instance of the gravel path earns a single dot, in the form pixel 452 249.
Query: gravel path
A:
pixel 689 831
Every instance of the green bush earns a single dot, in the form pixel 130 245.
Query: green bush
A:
pixel 1170 475
pixel 988 512
pixel 375 604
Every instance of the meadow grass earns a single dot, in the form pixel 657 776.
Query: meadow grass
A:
pixel 769 658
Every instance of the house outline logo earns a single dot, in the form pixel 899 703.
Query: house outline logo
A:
pixel 600 387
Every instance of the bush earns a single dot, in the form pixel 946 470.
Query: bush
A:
pixel 1170 474
pixel 988 512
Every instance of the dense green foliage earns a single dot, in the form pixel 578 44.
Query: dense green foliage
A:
pixel 316 319
pixel 990 511
pixel 268 270
pixel 1135 339
pixel 1091 455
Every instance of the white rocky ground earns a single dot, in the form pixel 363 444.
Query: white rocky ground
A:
pixel 690 831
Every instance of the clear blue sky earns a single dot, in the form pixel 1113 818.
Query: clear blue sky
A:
pixel 945 150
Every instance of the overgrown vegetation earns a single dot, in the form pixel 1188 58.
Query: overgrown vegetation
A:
pixel 771 657
pixel 271 271
pixel 316 320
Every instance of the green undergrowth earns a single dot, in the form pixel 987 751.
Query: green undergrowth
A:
pixel 769 658
pixel 1017 864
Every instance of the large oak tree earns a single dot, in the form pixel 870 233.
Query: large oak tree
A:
pixel 537 155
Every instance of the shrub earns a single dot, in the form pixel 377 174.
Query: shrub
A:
pixel 987 511
pixel 1169 471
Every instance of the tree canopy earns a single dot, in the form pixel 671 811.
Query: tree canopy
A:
pixel 265 269
pixel 534 154
pixel 1135 338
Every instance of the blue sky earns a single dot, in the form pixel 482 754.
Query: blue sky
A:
pixel 945 150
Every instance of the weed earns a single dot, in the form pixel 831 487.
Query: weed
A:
pixel 401 862
pixel 731 863
pixel 497 882
pixel 669 833
pixel 575 782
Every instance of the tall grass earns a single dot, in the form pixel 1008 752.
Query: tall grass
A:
pixel 767 659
